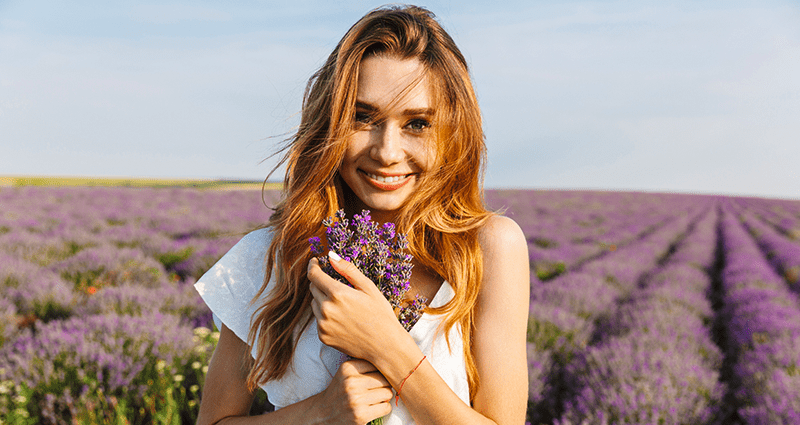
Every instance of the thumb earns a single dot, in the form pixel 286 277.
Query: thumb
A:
pixel 350 272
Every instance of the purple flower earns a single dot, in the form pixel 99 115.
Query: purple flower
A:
pixel 377 251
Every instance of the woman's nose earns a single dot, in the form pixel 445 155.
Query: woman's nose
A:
pixel 387 146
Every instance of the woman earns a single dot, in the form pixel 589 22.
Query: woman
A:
pixel 390 123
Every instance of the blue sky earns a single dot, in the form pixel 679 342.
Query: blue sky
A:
pixel 686 96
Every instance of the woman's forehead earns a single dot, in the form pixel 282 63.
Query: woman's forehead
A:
pixel 386 82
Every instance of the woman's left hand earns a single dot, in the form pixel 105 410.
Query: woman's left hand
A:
pixel 355 321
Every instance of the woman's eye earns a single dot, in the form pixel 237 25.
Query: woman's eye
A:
pixel 363 118
pixel 418 124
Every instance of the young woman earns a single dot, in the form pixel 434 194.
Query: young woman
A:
pixel 391 124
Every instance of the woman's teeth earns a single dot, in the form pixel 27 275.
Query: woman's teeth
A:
pixel 385 179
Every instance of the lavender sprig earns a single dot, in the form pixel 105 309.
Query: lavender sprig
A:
pixel 377 251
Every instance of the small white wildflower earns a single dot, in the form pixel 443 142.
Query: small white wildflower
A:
pixel 160 365
pixel 194 388
pixel 5 387
pixel 196 365
pixel 178 378
pixel 215 336
pixel 20 399
pixel 202 332
pixel 21 412
pixel 205 369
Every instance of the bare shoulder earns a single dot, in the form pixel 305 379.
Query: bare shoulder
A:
pixel 500 234
pixel 505 257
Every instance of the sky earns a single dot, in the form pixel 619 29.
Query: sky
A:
pixel 658 96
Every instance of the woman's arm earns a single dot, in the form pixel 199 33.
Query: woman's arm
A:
pixel 356 321
pixel 501 323
pixel 356 395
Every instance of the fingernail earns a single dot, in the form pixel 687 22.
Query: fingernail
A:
pixel 334 256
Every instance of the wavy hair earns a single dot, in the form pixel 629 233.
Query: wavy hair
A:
pixel 441 219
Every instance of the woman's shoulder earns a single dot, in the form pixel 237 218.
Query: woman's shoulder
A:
pixel 506 268
pixel 500 233
pixel 257 239
pixel 230 285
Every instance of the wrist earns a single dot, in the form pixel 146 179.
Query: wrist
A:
pixel 314 413
pixel 399 355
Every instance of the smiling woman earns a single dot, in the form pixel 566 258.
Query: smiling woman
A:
pixel 390 123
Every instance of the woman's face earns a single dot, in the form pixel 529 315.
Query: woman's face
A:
pixel 392 143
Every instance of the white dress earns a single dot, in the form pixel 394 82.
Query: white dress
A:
pixel 233 281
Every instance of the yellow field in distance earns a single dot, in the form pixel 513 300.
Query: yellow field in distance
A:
pixel 15 181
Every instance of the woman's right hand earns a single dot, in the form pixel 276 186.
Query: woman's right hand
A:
pixel 357 394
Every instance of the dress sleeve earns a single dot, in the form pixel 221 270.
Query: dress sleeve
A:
pixel 229 286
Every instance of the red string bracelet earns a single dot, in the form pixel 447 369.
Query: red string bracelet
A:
pixel 397 397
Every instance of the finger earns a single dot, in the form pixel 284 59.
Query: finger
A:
pixel 377 396
pixel 376 380
pixel 317 293
pixel 358 366
pixel 369 376
pixel 320 279
pixel 316 310
pixel 379 410
pixel 350 272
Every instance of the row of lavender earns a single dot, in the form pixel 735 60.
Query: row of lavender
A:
pixel 609 352
pixel 652 358
pixel 566 229
pixel 763 335
pixel 782 251
pixel 784 215
pixel 98 317
pixel 628 353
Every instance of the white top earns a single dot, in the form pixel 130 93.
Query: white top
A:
pixel 233 281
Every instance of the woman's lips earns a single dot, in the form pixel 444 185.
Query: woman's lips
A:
pixel 392 185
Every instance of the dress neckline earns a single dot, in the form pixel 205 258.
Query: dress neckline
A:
pixel 443 295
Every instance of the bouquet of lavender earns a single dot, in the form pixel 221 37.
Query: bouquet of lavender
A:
pixel 377 251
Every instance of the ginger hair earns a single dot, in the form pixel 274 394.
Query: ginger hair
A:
pixel 441 219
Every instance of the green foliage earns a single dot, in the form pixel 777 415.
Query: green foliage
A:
pixel 83 279
pixel 545 335
pixel 47 310
pixel 16 402
pixel 169 259
pixel 546 270
pixel 542 242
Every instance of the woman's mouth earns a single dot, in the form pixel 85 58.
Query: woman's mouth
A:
pixel 386 183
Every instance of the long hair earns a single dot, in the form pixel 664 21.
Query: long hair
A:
pixel 441 218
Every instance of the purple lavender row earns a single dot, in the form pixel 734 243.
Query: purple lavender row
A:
pixel 783 214
pixel 782 253
pixel 563 311
pixel 653 359
pixel 568 228
pixel 763 331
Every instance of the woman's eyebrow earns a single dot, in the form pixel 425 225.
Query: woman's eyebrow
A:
pixel 364 106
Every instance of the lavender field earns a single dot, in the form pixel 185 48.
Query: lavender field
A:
pixel 645 308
